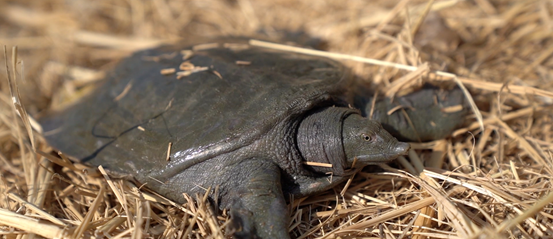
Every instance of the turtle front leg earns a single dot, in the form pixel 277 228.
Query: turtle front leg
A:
pixel 255 200
pixel 427 114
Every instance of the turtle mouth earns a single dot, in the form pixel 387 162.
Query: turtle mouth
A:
pixel 399 149
pixel 376 158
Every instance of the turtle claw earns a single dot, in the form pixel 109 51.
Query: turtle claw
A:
pixel 241 225
pixel 256 203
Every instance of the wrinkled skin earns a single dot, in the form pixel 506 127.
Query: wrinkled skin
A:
pixel 247 130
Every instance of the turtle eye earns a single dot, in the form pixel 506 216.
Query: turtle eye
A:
pixel 366 137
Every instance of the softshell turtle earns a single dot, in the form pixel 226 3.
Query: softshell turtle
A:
pixel 251 122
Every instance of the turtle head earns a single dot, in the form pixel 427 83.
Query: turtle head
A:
pixel 338 136
pixel 366 142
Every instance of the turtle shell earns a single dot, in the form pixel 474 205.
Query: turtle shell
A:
pixel 225 97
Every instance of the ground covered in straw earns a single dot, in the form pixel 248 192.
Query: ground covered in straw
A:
pixel 492 178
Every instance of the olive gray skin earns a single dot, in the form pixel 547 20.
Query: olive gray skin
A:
pixel 246 129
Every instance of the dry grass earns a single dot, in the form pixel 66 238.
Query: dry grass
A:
pixel 492 179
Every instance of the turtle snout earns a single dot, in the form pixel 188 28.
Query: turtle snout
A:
pixel 400 148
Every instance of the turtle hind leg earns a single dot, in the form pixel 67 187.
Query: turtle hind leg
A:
pixel 255 200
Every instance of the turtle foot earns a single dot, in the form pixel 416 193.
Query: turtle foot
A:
pixel 256 203
pixel 428 114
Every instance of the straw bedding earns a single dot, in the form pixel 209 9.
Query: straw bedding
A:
pixel 492 178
